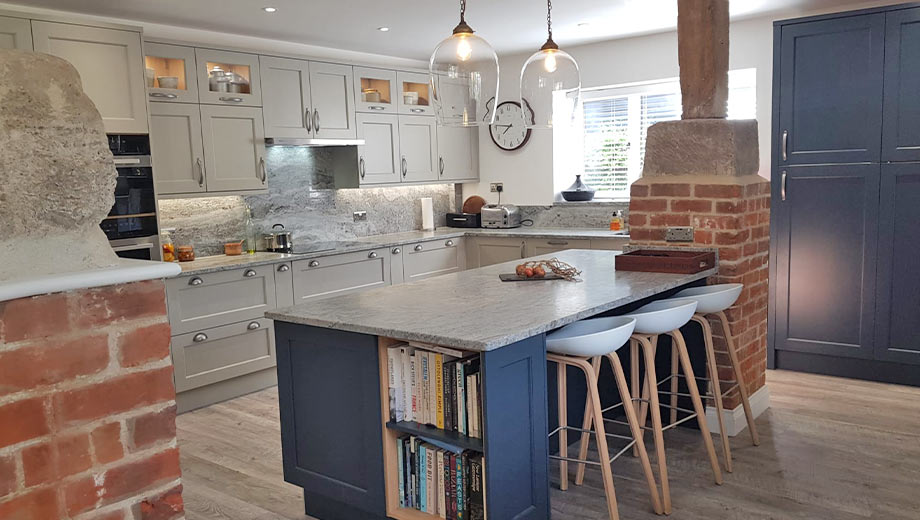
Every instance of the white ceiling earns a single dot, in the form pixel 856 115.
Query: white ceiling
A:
pixel 417 25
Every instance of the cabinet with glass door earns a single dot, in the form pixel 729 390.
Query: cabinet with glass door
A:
pixel 414 94
pixel 375 90
pixel 228 78
pixel 170 73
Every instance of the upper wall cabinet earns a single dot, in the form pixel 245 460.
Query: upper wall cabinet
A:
pixel 378 157
pixel 332 91
pixel 830 99
pixel 375 90
pixel 901 130
pixel 286 84
pixel 234 148
pixel 15 33
pixel 111 66
pixel 457 153
pixel 418 147
pixel 178 152
pixel 414 96
pixel 228 78
pixel 171 73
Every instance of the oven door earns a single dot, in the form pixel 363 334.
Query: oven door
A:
pixel 140 249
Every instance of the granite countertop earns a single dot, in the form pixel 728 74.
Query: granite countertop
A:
pixel 488 313
pixel 209 264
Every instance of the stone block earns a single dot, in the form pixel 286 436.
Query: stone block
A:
pixel 705 147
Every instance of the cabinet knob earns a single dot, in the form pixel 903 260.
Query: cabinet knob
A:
pixel 198 338
pixel 195 281
pixel 253 326
pixel 283 268
pixel 397 250
pixel 449 243
pixel 249 273
pixel 372 254
pixel 314 263
pixel 419 247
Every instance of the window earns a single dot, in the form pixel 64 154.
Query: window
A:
pixel 616 120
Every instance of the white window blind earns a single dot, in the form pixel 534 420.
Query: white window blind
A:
pixel 616 121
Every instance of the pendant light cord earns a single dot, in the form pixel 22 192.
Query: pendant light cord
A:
pixel 549 18
pixel 462 11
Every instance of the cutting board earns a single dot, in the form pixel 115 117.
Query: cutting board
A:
pixel 511 277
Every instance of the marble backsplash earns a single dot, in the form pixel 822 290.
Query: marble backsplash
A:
pixel 575 214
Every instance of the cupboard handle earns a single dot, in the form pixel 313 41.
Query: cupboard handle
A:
pixel 308 120
pixel 231 99
pixel 449 243
pixel 375 107
pixel 405 166
pixel 372 254
pixel 195 281
pixel 253 326
pixel 441 165
pixel 162 95
pixel 198 338
pixel 200 172
pixel 249 273
pixel 361 167
pixel 396 250
pixel 416 110
pixel 558 242
pixel 262 168
pixel 418 247
pixel 316 121
pixel 283 268
pixel 782 187
pixel 522 249
pixel 785 142
pixel 314 263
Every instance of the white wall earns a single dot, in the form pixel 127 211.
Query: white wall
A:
pixel 528 175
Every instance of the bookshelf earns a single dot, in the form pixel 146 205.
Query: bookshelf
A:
pixel 448 437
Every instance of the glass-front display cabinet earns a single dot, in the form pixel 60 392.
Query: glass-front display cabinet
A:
pixel 228 78
pixel 375 90
pixel 414 97
pixel 170 73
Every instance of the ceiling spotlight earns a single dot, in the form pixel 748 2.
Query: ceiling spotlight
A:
pixel 269 9
pixel 383 29
pixel 584 24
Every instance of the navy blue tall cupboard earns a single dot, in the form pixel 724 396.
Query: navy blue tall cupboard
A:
pixel 845 223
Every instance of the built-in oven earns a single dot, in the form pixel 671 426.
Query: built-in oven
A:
pixel 131 225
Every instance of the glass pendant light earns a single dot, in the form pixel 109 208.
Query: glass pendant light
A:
pixel 550 83
pixel 464 78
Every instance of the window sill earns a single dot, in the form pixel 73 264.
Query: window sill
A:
pixel 617 203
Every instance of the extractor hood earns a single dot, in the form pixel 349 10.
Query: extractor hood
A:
pixel 291 141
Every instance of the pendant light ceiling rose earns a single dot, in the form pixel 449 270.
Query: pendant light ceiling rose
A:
pixel 550 45
pixel 463 27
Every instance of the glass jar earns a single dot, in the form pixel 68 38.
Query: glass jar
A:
pixel 169 249
pixel 186 253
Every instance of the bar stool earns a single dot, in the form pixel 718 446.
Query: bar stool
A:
pixel 712 300
pixel 582 345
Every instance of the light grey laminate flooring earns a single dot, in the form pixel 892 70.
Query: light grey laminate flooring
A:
pixel 831 448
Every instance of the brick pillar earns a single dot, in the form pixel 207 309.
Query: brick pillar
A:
pixel 87 406
pixel 731 214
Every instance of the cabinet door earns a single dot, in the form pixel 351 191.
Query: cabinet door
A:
pixel 173 73
pixel 538 246
pixel 111 66
pixel 15 33
pixel 286 104
pixel 239 82
pixel 830 91
pixel 826 259
pixel 898 309
pixel 234 148
pixel 414 97
pixel 433 258
pixel 488 251
pixel 198 302
pixel 178 153
pixel 609 244
pixel 418 147
pixel 341 274
pixel 332 91
pixel 378 157
pixel 457 157
pixel 397 270
pixel 375 90
pixel 901 116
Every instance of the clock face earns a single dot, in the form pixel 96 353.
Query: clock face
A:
pixel 508 130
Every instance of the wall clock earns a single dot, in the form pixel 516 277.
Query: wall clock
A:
pixel 508 131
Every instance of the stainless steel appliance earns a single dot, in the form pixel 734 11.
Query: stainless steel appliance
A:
pixel 279 240
pixel 131 225
pixel 501 216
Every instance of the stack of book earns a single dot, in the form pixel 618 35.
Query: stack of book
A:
pixel 437 386
pixel 440 479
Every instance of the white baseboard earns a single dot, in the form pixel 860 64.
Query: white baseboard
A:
pixel 734 420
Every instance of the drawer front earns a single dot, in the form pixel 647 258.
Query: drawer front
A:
pixel 200 302
pixel 537 247
pixel 610 244
pixel 213 355
pixel 433 258
pixel 341 274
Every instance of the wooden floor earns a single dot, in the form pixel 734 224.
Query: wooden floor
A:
pixel 831 448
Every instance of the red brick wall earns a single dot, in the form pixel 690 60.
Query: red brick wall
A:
pixel 731 214
pixel 87 406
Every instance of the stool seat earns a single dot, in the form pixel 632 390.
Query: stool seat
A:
pixel 712 298
pixel 662 316
pixel 589 338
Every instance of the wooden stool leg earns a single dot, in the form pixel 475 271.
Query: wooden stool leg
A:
pixel 681 347
pixel 655 409
pixel 716 387
pixel 646 384
pixel 633 421
pixel 563 433
pixel 634 381
pixel 675 365
pixel 586 426
pixel 736 366
pixel 600 436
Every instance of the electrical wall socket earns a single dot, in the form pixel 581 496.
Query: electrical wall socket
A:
pixel 496 187
pixel 679 234
pixel 360 216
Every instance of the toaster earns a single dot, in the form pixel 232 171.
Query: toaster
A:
pixel 499 216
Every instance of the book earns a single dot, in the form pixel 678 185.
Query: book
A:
pixel 466 486
pixel 442 505
pixel 401 470
pixel 452 467
pixel 432 391
pixel 413 385
pixel 439 390
pixel 461 399
pixel 422 478
pixel 478 403
pixel 437 348
pixel 461 512
pixel 477 498
pixel 423 391
pixel 431 499
pixel 448 400
pixel 394 370
pixel 405 384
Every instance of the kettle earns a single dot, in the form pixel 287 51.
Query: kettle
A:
pixel 279 241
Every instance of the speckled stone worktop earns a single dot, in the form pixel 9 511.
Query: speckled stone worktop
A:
pixel 491 313
pixel 208 264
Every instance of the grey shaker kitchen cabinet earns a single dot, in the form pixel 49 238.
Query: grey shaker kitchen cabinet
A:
pixel 243 65
pixel 418 148
pixel 378 158
pixel 483 251
pixel 433 258
pixel 172 61
pixel 234 148
pixel 341 274
pixel 397 265
pixel 458 157
pixel 178 151
pixel 332 94
pixel 539 246
pixel 371 84
pixel 418 83
pixel 111 67
pixel 284 284
pixel 286 103
pixel 901 113
pixel 15 33
pixel 610 244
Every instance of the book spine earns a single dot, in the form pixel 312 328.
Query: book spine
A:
pixel 392 378
pixel 413 384
pixel 470 395
pixel 477 499
pixel 452 390
pixel 461 399
pixel 432 392
pixel 439 389
pixel 430 496
pixel 423 478
pixel 479 405
pixel 423 391
pixel 466 485
pixel 413 472
pixel 400 457
pixel 461 514
pixel 445 378
pixel 441 485
pixel 405 384
pixel 452 465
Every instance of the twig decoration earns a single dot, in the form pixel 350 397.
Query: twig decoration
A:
pixel 566 271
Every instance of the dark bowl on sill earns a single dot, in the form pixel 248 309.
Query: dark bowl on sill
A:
pixel 578 195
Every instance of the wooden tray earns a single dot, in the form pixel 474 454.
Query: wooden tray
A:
pixel 512 277
pixel 665 261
